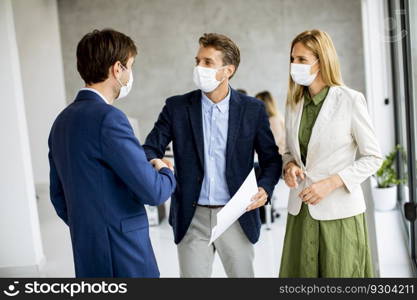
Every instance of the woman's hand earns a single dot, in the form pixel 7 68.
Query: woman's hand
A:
pixel 291 172
pixel 258 200
pixel 320 189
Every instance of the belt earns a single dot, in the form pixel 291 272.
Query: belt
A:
pixel 211 206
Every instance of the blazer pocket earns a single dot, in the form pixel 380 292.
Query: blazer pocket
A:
pixel 134 223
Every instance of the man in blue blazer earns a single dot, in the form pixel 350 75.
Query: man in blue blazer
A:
pixel 100 178
pixel 215 132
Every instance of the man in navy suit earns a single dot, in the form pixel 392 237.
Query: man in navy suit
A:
pixel 215 132
pixel 100 178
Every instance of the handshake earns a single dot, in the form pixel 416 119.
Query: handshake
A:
pixel 158 164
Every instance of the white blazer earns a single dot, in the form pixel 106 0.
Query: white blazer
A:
pixel 342 127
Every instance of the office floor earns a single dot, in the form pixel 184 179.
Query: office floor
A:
pixel 57 246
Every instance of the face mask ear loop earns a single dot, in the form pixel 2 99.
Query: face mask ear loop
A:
pixel 118 80
pixel 224 75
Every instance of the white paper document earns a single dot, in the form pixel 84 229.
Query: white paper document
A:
pixel 235 207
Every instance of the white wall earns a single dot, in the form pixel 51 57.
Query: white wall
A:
pixel 39 45
pixel 378 88
pixel 377 72
pixel 19 225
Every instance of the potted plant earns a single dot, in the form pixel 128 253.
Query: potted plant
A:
pixel 384 189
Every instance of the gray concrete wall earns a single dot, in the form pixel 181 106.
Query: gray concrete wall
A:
pixel 167 33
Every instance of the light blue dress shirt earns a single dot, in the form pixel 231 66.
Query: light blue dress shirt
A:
pixel 214 189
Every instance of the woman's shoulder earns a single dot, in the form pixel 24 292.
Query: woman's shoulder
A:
pixel 347 93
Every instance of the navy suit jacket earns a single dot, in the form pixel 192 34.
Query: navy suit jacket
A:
pixel 100 180
pixel 181 122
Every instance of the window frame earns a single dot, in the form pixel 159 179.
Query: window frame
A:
pixel 405 105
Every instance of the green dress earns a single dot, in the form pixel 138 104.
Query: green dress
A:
pixel 314 248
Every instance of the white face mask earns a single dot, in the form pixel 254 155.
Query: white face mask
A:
pixel 205 78
pixel 300 73
pixel 125 89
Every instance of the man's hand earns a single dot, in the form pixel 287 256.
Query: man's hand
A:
pixel 168 163
pixel 291 172
pixel 258 200
pixel 158 164
pixel 319 190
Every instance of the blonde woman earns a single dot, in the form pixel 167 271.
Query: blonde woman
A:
pixel 326 124
pixel 276 120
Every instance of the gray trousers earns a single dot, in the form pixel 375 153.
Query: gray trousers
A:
pixel 195 256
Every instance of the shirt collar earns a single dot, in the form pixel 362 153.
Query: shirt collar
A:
pixel 95 91
pixel 317 98
pixel 223 105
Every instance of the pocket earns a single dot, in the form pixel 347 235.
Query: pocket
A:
pixel 134 223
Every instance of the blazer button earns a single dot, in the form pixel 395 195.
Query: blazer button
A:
pixel 194 204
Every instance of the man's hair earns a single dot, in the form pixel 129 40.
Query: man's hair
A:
pixel 220 42
pixel 99 50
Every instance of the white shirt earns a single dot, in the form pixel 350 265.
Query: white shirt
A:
pixel 97 92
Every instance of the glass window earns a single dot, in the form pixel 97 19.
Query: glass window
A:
pixel 402 27
pixel 411 61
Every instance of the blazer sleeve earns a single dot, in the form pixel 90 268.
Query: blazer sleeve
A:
pixel 160 136
pixel 56 192
pixel 122 151
pixel 370 154
pixel 270 161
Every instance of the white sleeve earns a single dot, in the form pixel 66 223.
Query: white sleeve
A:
pixel 370 154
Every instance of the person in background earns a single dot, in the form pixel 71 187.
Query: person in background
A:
pixel 327 123
pixel 276 119
pixel 100 178
pixel 214 132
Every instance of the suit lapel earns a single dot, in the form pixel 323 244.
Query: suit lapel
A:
pixel 196 120
pixel 325 115
pixel 235 116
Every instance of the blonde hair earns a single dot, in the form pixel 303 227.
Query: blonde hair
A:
pixel 321 44
pixel 266 98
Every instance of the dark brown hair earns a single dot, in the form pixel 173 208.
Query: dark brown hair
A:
pixel 99 50
pixel 220 42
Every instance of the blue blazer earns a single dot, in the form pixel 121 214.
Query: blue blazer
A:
pixel 100 180
pixel 181 122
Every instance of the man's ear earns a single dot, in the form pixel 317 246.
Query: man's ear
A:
pixel 230 69
pixel 114 70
